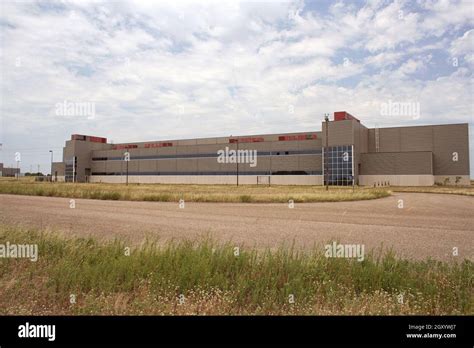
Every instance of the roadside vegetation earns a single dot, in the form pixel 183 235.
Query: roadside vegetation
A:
pixel 191 193
pixel 83 276
pixel 454 190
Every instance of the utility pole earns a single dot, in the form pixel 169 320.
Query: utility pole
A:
pixel 51 165
pixel 326 157
pixel 127 174
pixel 270 178
pixel 127 159
pixel 237 157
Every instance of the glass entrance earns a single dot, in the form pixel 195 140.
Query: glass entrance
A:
pixel 338 165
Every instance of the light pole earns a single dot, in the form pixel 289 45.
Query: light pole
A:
pixel 127 159
pixel 237 159
pixel 51 165
pixel 326 158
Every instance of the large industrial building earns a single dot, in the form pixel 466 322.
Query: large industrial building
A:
pixel 349 154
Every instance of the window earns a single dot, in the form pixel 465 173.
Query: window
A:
pixel 338 161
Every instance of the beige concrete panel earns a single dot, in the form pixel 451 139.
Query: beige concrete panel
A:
pixel 340 133
pixel 133 166
pixel 393 163
pixel 396 180
pixel 222 140
pixel 283 146
pixel 115 166
pixel 100 153
pixel 99 146
pixel 362 144
pixel 310 162
pixel 412 163
pixel 167 165
pixel 187 165
pixel 448 140
pixel 284 163
pixel 297 180
pixel 148 152
pixel 119 153
pixel 377 163
pixel 167 151
pixel 309 144
pixel 208 165
pixel 187 142
pixel 98 167
pixel 371 140
pixel 389 140
pixel 148 166
pixel 210 149
pixel 263 163
pixel 416 138
pixel 187 150
pixel 261 146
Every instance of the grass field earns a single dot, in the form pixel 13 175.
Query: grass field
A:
pixel 191 193
pixel 204 278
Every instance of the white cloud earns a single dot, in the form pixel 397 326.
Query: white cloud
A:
pixel 187 69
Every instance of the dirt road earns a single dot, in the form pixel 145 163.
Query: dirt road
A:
pixel 416 225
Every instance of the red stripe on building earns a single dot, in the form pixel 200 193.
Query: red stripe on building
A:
pixel 297 137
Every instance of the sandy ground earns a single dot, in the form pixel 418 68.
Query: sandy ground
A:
pixel 428 225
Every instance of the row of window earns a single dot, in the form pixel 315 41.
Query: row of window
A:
pixel 208 155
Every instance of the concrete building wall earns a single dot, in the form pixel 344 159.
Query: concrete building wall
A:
pixel 453 180
pixel 444 141
pixel 209 179
pixel 397 163
pixel 339 133
pixel 360 145
pixel 449 140
pixel 396 180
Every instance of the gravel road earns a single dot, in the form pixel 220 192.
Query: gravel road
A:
pixel 428 225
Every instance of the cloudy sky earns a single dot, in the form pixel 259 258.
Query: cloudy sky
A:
pixel 184 69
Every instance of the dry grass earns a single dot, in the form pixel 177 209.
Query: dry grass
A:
pixel 456 190
pixel 191 193
pixel 213 280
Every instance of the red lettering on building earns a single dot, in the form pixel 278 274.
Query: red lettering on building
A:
pixel 125 146
pixel 246 140
pixel 297 137
pixel 153 145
